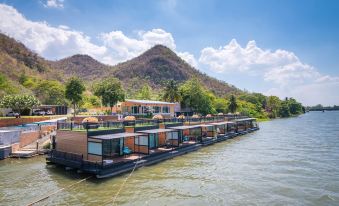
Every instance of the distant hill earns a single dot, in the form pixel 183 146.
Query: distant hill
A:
pixel 155 66
pixel 160 64
pixel 16 59
pixel 82 66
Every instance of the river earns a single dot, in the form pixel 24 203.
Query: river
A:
pixel 292 161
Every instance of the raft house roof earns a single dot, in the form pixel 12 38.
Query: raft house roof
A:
pixel 185 127
pixel 246 119
pixel 221 123
pixel 115 136
pixel 154 131
pixel 205 125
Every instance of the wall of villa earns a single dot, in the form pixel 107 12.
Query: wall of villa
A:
pixel 72 142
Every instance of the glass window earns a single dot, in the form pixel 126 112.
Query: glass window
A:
pixel 94 148
pixel 156 109
pixel 141 140
pixel 135 110
pixel 210 129
pixel 175 135
pixel 165 109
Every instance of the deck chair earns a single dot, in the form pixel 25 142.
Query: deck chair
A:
pixel 127 151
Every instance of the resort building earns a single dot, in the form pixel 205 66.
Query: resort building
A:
pixel 144 107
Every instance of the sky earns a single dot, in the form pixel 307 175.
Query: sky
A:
pixel 285 48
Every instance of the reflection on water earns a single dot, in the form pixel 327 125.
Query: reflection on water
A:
pixel 289 161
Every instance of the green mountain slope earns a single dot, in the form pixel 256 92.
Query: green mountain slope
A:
pixel 154 67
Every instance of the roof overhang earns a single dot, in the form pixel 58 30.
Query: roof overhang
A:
pixel 115 136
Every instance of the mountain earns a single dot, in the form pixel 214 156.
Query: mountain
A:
pixel 158 65
pixel 82 66
pixel 155 67
pixel 16 59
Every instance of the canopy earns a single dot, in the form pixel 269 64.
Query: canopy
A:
pixel 185 127
pixel 115 136
pixel 246 119
pixel 154 131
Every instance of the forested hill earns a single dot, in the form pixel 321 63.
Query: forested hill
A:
pixel 154 67
pixel 158 65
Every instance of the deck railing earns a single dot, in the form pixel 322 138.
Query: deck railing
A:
pixel 110 125
pixel 66 156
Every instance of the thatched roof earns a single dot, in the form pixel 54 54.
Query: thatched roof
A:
pixel 129 118
pixel 181 117
pixel 195 116
pixel 158 116
pixel 90 120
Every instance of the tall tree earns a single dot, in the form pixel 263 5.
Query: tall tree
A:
pixel 284 110
pixel 295 107
pixel 145 92
pixel 19 103
pixel 232 106
pixel 110 91
pixel 196 97
pixel 50 92
pixel 273 105
pixel 171 92
pixel 74 89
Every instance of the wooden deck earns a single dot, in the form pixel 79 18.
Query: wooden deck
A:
pixel 124 158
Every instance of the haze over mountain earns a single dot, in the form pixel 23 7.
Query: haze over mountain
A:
pixel 155 67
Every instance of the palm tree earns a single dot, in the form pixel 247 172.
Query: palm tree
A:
pixel 171 92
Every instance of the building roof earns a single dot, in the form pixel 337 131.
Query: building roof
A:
pixel 205 125
pixel 218 123
pixel 185 127
pixel 115 136
pixel 221 123
pixel 245 119
pixel 147 101
pixel 153 131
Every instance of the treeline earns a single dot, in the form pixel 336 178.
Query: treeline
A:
pixel 320 107
pixel 191 94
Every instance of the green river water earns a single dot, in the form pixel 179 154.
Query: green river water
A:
pixel 292 161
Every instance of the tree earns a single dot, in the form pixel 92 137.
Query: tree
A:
pixel 74 90
pixel 145 92
pixel 19 103
pixel 220 105
pixel 6 87
pixel 196 97
pixel 110 91
pixel 171 92
pixel 232 105
pixel 50 92
pixel 284 110
pixel 295 107
pixel 273 105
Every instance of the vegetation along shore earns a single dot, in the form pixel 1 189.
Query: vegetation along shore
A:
pixel 27 80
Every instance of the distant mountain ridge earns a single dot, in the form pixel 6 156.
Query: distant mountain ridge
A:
pixel 154 67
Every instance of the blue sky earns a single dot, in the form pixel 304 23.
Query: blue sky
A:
pixel 294 49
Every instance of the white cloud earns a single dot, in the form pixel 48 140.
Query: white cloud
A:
pixel 61 41
pixel 283 69
pixel 50 42
pixel 54 4
pixel 189 58
pixel 122 47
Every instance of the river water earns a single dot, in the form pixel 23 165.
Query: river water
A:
pixel 292 161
